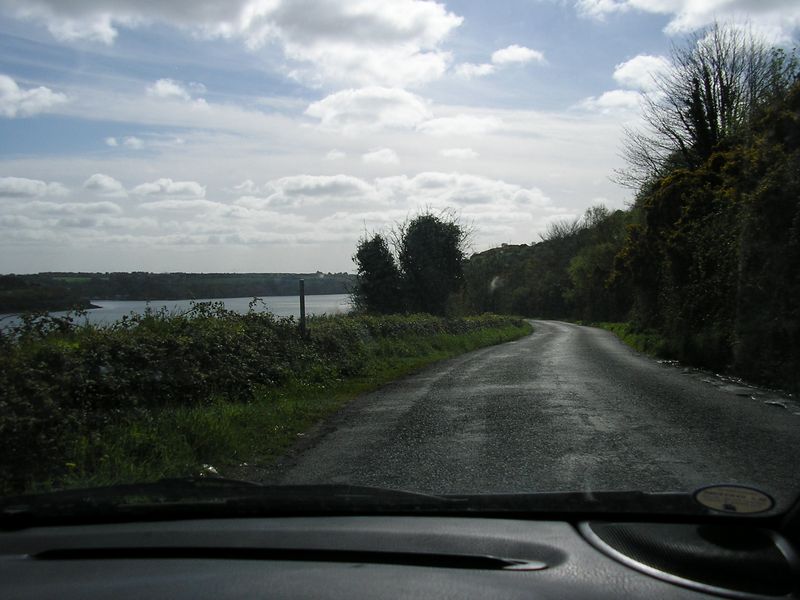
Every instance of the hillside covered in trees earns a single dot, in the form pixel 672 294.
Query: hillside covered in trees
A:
pixel 707 257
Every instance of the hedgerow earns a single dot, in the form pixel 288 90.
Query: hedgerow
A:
pixel 62 379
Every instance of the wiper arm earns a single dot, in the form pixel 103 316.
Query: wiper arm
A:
pixel 115 494
pixel 195 495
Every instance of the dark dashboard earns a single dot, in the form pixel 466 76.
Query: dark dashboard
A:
pixel 384 556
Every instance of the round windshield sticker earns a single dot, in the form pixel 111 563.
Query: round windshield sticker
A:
pixel 734 499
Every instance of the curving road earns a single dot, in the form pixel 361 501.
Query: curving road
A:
pixel 567 408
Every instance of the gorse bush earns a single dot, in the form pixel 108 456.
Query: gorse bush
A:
pixel 62 381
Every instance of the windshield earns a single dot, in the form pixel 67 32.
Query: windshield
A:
pixel 434 250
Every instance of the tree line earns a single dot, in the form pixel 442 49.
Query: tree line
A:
pixel 707 256
pixel 62 291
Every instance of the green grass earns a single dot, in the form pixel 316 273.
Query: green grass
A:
pixel 647 342
pixel 179 441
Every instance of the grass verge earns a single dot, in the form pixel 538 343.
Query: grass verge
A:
pixel 647 342
pixel 233 437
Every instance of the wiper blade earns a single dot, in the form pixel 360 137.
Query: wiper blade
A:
pixel 224 498
pixel 195 495
pixel 115 494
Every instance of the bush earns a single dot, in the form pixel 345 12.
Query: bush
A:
pixel 61 382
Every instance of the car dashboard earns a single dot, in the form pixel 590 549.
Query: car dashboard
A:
pixel 396 557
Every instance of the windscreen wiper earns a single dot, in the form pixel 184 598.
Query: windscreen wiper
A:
pixel 207 497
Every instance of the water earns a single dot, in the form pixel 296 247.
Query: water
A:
pixel 281 306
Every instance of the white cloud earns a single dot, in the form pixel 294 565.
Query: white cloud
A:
pixel 777 19
pixel 248 186
pixel 613 101
pixel 598 9
pixel 193 205
pixel 303 191
pixel 21 187
pixel 168 188
pixel 371 108
pixel 639 72
pixel 498 209
pixel 568 156
pixel 196 87
pixel 345 204
pixel 310 186
pixel 347 64
pixel 335 155
pixel 460 153
pixel 516 54
pixel 134 143
pixel 461 124
pixel 389 42
pixel 470 70
pixel 168 88
pixel 68 209
pixel 383 156
pixel 395 42
pixel 16 102
pixel 104 185
pixel 465 190
pixel 510 55
pixel 117 106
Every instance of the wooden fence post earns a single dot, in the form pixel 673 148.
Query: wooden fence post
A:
pixel 303 307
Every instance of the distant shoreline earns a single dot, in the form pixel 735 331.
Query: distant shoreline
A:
pixel 67 291
pixel 6 310
pixel 91 305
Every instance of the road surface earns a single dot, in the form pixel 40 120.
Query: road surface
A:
pixel 567 408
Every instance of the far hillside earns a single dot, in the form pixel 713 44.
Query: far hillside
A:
pixel 62 291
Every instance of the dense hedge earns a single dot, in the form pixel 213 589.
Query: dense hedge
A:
pixel 60 380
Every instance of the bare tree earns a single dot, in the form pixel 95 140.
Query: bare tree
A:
pixel 716 81
pixel 561 229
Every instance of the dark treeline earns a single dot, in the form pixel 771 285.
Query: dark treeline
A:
pixel 708 255
pixel 61 291
pixel 418 267
pixel 566 275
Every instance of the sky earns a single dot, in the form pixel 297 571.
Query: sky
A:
pixel 271 135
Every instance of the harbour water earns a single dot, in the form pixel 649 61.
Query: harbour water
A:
pixel 281 306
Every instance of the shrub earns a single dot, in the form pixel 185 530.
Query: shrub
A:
pixel 61 381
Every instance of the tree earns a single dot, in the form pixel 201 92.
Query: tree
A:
pixel 561 229
pixel 714 86
pixel 429 268
pixel 431 252
pixel 378 286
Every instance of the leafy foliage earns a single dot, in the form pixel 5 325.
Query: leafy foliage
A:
pixel 62 384
pixel 431 252
pixel 378 288
pixel 568 274
pixel 717 81
pixel 428 271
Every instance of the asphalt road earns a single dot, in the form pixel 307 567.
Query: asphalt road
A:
pixel 567 408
